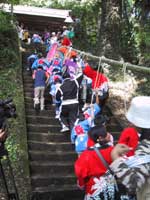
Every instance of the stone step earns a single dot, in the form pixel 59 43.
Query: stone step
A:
pixel 31 94
pixel 47 123
pixel 52 180
pixel 26 74
pixel 28 79
pixel 52 120
pixel 33 112
pixel 44 128
pixel 42 156
pixel 30 89
pixel 52 188
pixel 55 128
pixel 45 137
pixel 50 146
pixel 28 85
pixel 54 168
pixel 41 119
pixel 48 105
pixel 29 101
pixel 65 192
pixel 50 111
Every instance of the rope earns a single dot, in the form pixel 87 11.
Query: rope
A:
pixel 115 62
pixel 99 65
pixel 124 69
pixel 96 80
pixel 68 53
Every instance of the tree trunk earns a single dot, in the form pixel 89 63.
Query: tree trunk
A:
pixel 110 29
pixel 144 17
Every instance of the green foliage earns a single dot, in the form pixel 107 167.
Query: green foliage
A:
pixel 86 30
pixel 5 19
pixel 10 1
pixel 141 29
pixel 11 86
pixel 133 37
pixel 8 42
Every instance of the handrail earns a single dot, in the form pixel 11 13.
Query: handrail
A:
pixel 115 62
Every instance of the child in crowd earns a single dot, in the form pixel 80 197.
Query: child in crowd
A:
pixel 36 39
pixel 65 40
pixel 79 135
pixel 55 82
pixel 99 82
pixel 40 61
pixel 72 66
pixel 89 169
pixel 39 77
pixel 103 120
pixel 30 60
pixel 68 95
pixel 53 38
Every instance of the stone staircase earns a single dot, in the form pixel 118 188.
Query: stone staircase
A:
pixel 51 155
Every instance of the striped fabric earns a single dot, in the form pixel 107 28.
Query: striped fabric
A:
pixel 135 172
pixel 134 161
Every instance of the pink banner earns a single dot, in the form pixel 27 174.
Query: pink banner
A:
pixel 52 51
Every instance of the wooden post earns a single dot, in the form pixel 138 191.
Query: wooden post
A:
pixel 12 9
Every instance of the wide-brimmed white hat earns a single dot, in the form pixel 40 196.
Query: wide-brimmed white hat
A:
pixel 139 112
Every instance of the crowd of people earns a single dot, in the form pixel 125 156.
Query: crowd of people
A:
pixel 46 37
pixel 79 91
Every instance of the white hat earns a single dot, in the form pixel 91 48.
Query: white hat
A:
pixel 139 112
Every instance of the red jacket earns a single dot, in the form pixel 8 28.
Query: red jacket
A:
pixel 98 79
pixel 66 42
pixel 88 166
pixel 130 137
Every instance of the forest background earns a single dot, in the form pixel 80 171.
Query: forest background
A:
pixel 118 29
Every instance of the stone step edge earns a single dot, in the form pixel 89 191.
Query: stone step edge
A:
pixel 57 176
pixel 55 189
pixel 49 143
pixel 49 153
pixel 53 163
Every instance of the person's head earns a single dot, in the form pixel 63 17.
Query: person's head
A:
pixel 40 55
pixel 57 55
pixel 57 79
pixel 98 134
pixel 40 67
pixel 74 58
pixel 64 27
pixel 99 69
pixel 139 113
pixel 53 34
